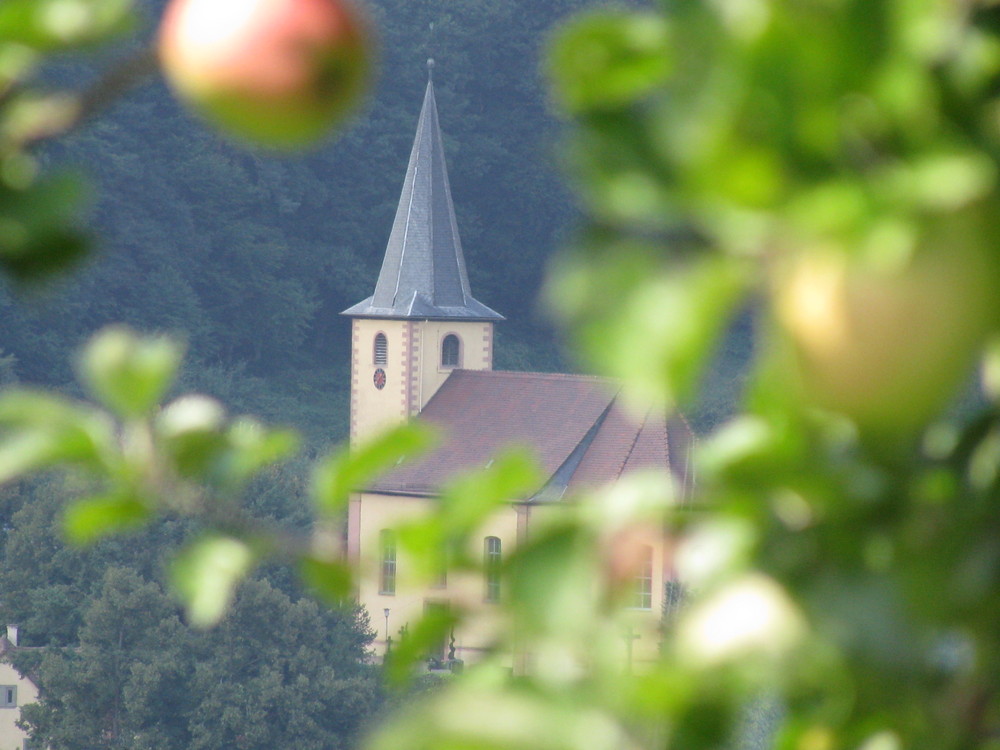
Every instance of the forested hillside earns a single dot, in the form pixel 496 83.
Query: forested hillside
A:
pixel 251 257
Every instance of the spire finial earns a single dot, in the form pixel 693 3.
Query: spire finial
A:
pixel 430 68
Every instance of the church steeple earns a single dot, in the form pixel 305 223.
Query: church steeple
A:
pixel 423 273
pixel 422 322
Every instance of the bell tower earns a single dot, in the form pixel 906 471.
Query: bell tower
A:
pixel 422 321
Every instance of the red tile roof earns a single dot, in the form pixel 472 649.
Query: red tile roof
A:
pixel 479 413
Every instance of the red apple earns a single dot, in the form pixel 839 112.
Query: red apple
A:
pixel 278 72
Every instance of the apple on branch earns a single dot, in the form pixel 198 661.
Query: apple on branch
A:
pixel 889 346
pixel 276 72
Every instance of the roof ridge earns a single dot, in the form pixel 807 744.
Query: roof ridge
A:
pixel 560 479
pixel 635 441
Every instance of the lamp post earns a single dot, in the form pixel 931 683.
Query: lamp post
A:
pixel 386 613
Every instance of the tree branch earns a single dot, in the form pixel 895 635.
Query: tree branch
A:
pixel 61 113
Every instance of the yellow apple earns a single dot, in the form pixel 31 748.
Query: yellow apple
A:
pixel 889 347
pixel 277 72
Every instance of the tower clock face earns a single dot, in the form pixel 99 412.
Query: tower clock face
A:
pixel 379 378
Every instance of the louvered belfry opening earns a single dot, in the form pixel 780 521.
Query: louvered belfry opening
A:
pixel 381 349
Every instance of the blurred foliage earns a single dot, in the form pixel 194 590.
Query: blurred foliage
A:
pixel 831 165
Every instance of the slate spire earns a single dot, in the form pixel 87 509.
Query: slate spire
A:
pixel 423 273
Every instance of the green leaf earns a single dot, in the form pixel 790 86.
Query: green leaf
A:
pixel 740 440
pixel 44 430
pixel 253 447
pixel 17 61
pixel 420 640
pixel 93 518
pixel 190 429
pixel 470 716
pixel 352 467
pixel 36 239
pixel 607 59
pixel 23 407
pixel 128 373
pixel 467 501
pixel 205 575
pixel 651 326
pixel 33 115
pixel 60 24
pixel 45 254
pixel 331 580
pixel 29 451
pixel 552 581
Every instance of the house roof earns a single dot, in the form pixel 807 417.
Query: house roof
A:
pixel 575 425
pixel 7 650
pixel 423 273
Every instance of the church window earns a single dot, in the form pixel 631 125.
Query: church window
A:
pixel 8 696
pixel 491 568
pixel 450 350
pixel 642 591
pixel 387 575
pixel 381 349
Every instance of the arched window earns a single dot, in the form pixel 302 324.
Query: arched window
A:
pixel 381 355
pixel 387 575
pixel 642 591
pixel 450 350
pixel 491 568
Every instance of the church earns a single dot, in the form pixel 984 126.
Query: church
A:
pixel 422 348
